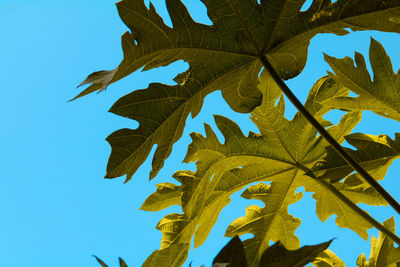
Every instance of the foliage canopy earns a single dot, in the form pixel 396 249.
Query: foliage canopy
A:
pixel 286 154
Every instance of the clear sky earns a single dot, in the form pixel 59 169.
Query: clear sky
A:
pixel 56 208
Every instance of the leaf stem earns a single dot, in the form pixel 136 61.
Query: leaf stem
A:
pixel 335 145
pixel 359 211
pixel 352 205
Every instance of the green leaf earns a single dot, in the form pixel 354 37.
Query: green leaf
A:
pixel 282 153
pixel 121 262
pixel 176 228
pixel 269 223
pixel 328 259
pixel 167 194
pixel 383 252
pixel 382 95
pixel 278 256
pixel 174 256
pixel 231 255
pixel 375 154
pixel 100 261
pixel 223 56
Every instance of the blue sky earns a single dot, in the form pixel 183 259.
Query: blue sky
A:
pixel 56 208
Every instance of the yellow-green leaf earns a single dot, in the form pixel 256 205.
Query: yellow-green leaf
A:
pixel 383 253
pixel 382 95
pixel 328 259
pixel 121 262
pixel 269 223
pixel 167 194
pixel 282 153
pixel 375 154
pixel 173 256
pixel 223 56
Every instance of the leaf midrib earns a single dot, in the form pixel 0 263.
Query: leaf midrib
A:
pixel 222 195
pixel 264 241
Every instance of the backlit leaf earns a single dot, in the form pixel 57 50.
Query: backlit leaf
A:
pixel 167 195
pixel 174 256
pixel 382 95
pixel 328 259
pixel 269 223
pixel 223 56
pixel 281 154
pixel 383 252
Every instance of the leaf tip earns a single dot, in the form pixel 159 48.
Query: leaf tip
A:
pixel 100 261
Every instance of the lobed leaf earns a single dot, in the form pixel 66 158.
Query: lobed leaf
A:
pixel 269 223
pixel 282 153
pixel 223 56
pixel 382 95
pixel 383 252
pixel 375 154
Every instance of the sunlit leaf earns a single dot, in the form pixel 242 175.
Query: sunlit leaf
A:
pixel 383 252
pixel 174 256
pixel 167 194
pixel 223 56
pixel 380 95
pixel 282 154
pixel 269 223
pixel 328 259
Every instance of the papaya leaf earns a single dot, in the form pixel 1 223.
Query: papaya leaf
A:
pixel 174 256
pixel 167 194
pixel 223 56
pixel 383 252
pixel 269 223
pixel 231 255
pixel 121 262
pixel 382 95
pixel 100 261
pixel 375 154
pixel 281 153
pixel 278 256
pixel 328 259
